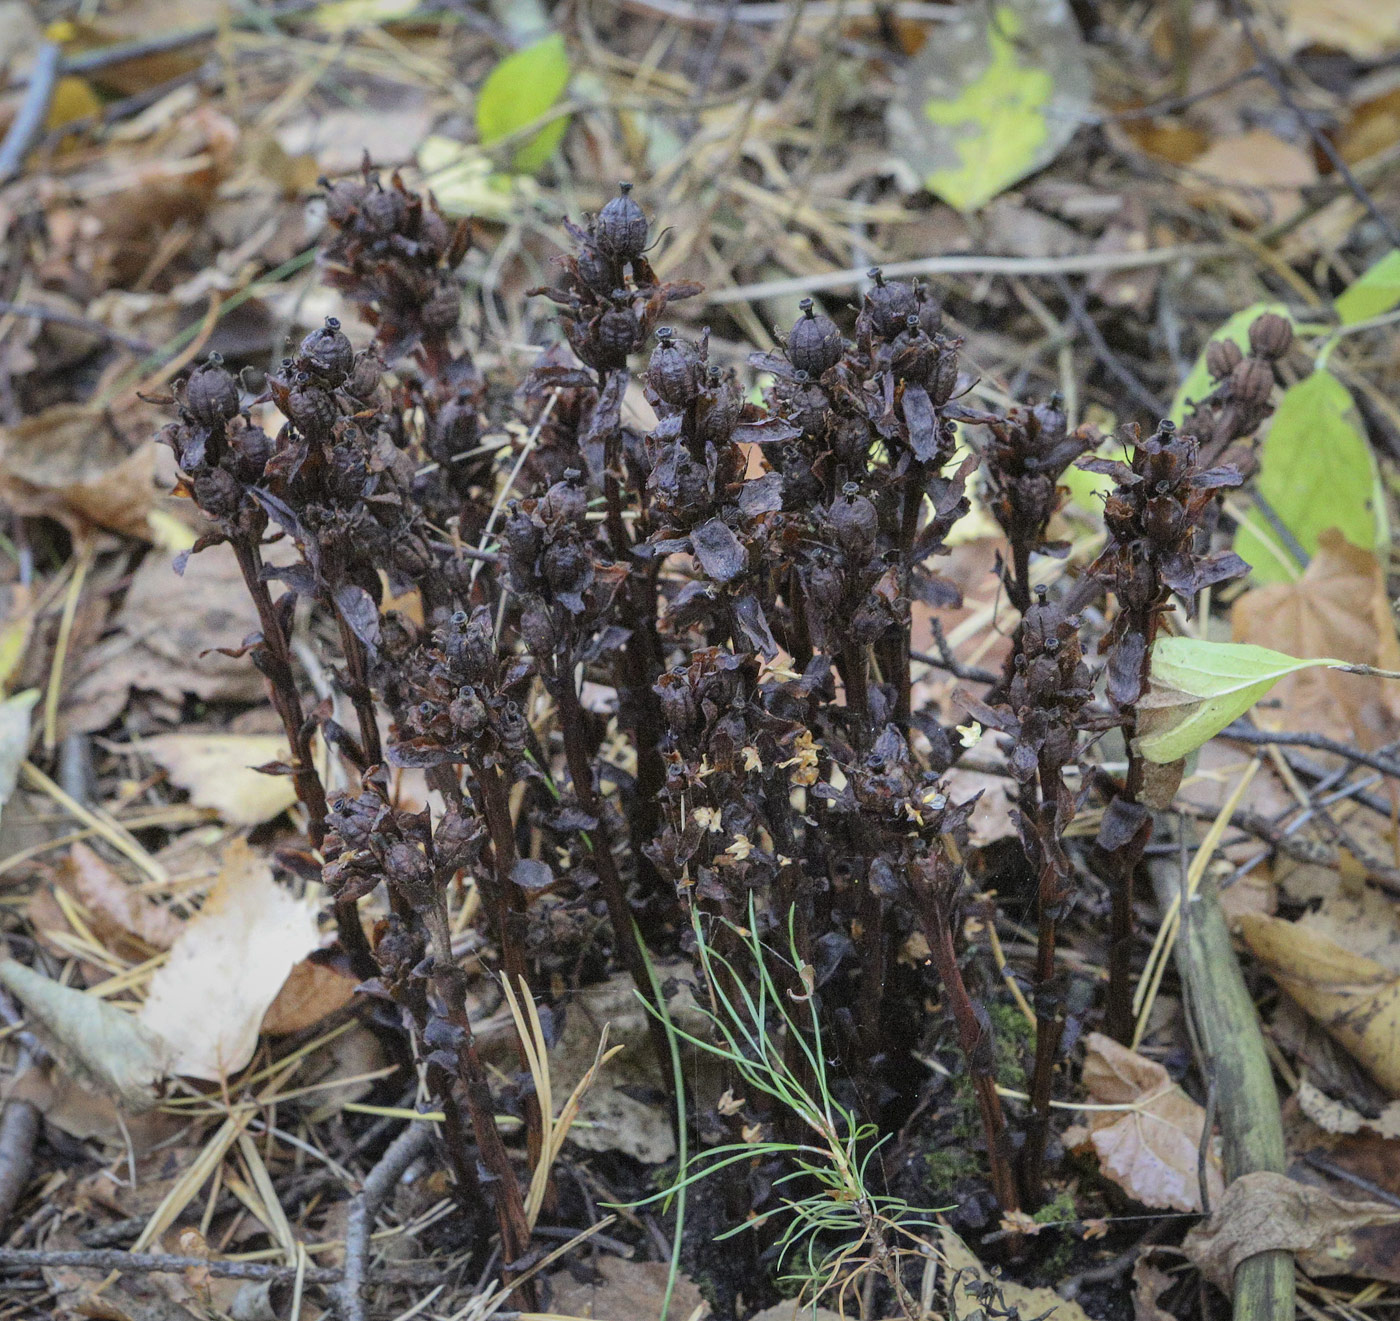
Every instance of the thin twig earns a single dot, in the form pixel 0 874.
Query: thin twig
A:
pixel 35 312
pixel 160 1263
pixel 32 111
pixel 401 1153
pixel 1075 264
pixel 1248 734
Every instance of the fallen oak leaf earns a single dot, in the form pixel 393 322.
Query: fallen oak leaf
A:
pixel 1266 1212
pixel 1150 1149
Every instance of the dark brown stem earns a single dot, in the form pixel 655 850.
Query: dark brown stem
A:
pixel 505 1187
pixel 974 1039
pixel 614 894
pixel 277 669
pixel 358 690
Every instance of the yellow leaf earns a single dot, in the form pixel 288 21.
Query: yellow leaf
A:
pixel 73 99
pixel 346 15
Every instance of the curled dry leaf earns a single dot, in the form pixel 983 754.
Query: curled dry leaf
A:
pixel 97 1042
pixel 219 771
pixel 227 966
pixel 966 1274
pixel 1355 998
pixel 1264 1212
pixel 1151 1150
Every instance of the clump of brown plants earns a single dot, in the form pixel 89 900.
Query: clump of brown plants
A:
pixel 665 687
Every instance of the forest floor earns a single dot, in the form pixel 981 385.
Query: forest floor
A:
pixel 1149 178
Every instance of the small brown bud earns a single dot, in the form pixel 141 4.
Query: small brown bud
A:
pixel 1222 357
pixel 211 393
pixel 1252 382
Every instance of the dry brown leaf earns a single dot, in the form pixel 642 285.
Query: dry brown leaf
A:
pixel 1265 1212
pixel 1355 998
pixel 1336 1117
pixel 959 1258
pixel 227 966
pixel 1257 175
pixel 626 1291
pixel 311 992
pixel 217 771
pixel 74 464
pixel 115 905
pixel 1151 1151
pixel 165 640
pixel 1339 608
pixel 1149 1284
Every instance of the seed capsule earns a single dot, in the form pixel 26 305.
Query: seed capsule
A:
pixel 814 343
pixel 1271 336
pixel 674 370
pixel 597 270
pixel 889 304
pixel 854 519
pixel 328 353
pixel 622 226
pixel 364 376
pixel 211 393
pixel 443 310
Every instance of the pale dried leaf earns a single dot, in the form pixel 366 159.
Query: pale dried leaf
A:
pixel 227 966
pixel 627 1291
pixel 97 1042
pixel 1256 174
pixel 217 771
pixel 1263 1212
pixel 1151 1151
pixel 1334 1116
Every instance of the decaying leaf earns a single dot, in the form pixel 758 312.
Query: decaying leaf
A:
pixel 311 992
pixel 14 739
pixel 227 966
pixel 962 1265
pixel 96 1041
pixel 1152 1151
pixel 1355 998
pixel 996 96
pixel 1339 608
pixel 1262 1212
pixel 626 1289
pixel 1334 1116
pixel 219 771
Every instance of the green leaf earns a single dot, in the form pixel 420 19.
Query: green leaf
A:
pixel 1316 471
pixel 1197 688
pixel 1198 383
pixel 1373 293
pixel 520 89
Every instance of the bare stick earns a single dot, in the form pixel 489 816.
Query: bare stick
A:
pixel 32 112
pixel 401 1153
